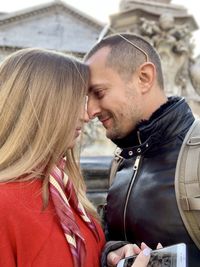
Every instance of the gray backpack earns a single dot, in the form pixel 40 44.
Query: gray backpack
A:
pixel 187 182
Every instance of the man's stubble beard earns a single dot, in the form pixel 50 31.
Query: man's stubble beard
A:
pixel 114 132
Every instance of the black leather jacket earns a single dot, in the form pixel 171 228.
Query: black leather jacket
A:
pixel 141 203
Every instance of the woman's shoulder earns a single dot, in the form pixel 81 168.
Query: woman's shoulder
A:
pixel 14 193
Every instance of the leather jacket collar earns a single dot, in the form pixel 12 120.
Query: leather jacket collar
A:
pixel 160 128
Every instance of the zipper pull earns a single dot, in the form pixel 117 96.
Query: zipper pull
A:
pixel 136 163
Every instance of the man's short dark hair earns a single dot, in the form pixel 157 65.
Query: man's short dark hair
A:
pixel 125 57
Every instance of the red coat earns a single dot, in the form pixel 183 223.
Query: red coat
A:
pixel 30 237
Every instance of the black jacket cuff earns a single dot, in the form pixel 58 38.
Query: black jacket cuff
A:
pixel 110 246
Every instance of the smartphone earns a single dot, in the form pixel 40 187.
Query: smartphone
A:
pixel 171 256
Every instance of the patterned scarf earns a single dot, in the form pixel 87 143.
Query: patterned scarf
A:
pixel 64 197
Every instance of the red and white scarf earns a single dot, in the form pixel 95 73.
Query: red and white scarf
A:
pixel 64 197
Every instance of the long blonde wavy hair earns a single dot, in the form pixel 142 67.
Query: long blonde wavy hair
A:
pixel 42 94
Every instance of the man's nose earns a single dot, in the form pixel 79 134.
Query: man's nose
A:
pixel 93 108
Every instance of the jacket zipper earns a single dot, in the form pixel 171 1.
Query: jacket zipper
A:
pixel 135 170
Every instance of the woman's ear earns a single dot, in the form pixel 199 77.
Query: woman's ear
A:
pixel 146 75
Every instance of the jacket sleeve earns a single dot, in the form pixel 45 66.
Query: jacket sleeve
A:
pixel 110 246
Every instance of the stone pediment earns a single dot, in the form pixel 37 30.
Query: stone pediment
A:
pixel 54 25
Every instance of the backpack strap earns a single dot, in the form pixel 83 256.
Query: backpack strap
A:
pixel 187 182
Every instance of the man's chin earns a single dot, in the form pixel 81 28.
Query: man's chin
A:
pixel 112 135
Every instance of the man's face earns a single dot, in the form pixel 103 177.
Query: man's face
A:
pixel 113 99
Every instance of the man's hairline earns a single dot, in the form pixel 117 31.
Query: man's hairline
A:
pixel 97 51
pixel 107 63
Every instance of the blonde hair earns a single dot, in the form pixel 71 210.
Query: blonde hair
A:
pixel 42 94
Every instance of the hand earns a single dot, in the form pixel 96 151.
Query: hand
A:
pixel 143 258
pixel 126 251
pixel 115 256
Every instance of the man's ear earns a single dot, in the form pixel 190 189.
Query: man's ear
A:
pixel 146 76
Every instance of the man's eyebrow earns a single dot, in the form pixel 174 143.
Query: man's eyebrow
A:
pixel 93 87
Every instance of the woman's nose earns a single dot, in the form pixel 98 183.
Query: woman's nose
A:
pixel 86 116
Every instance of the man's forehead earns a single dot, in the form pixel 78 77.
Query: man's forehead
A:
pixel 98 57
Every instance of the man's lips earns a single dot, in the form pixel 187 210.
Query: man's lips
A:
pixel 105 121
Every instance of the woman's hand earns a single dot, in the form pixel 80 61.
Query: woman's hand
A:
pixel 143 258
pixel 115 256
pixel 129 250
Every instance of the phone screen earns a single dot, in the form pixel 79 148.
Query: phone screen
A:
pixel 172 256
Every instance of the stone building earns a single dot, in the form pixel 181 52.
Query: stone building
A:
pixel 54 25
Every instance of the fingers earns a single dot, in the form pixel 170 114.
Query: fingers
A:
pixel 113 258
pixel 132 250
pixel 143 246
pixel 159 246
pixel 126 251
pixel 143 258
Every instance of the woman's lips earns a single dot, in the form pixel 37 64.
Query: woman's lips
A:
pixel 78 132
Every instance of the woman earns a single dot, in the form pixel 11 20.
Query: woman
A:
pixel 45 216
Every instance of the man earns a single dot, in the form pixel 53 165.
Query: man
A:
pixel 127 95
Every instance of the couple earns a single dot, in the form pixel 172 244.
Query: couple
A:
pixel 46 218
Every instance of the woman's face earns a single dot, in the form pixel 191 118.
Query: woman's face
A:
pixel 84 118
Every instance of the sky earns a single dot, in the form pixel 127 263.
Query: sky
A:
pixel 101 10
